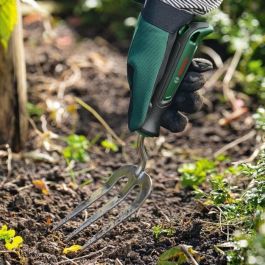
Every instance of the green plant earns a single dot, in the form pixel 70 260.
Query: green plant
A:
pixel 220 192
pixel 242 209
pixel 34 110
pixel 159 230
pixel 114 19
pixel 177 255
pixel 242 204
pixel 76 148
pixel 246 35
pixel 194 174
pixel 259 117
pixel 8 19
pixel 12 241
pixel 249 246
pixel 109 145
pixel 248 211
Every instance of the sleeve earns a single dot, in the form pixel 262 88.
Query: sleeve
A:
pixel 196 7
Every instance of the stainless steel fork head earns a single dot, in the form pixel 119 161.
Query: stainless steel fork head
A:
pixel 135 178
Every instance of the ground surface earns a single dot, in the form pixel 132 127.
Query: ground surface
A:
pixel 60 68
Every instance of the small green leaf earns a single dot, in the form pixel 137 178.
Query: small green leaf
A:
pixel 222 158
pixel 6 234
pixel 108 145
pixel 34 110
pixel 175 256
pixel 76 148
pixel 194 174
pixel 8 19
pixel 86 182
pixel 171 257
pixel 159 230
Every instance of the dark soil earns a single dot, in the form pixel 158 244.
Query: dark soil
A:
pixel 93 71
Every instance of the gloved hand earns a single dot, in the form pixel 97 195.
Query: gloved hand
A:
pixel 156 31
pixel 153 39
pixel 187 98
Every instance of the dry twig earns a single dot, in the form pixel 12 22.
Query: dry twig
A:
pixel 68 260
pixel 253 156
pixel 9 160
pixel 216 76
pixel 101 120
pixel 230 117
pixel 228 93
pixel 188 254
pixel 213 55
pixel 236 142
pixel 117 262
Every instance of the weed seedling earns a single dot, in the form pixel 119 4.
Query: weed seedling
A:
pixel 194 174
pixel 159 230
pixel 76 149
pixel 249 247
pixel 34 110
pixel 109 145
pixel 12 242
pixel 179 255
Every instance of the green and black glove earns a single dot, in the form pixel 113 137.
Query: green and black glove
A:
pixel 153 39
pixel 187 98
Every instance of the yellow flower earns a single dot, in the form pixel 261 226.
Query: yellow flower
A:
pixel 14 243
pixel 6 234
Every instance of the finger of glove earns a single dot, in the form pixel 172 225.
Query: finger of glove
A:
pixel 195 77
pixel 193 81
pixel 187 102
pixel 200 65
pixel 174 121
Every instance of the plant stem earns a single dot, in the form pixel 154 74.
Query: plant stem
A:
pixel 100 119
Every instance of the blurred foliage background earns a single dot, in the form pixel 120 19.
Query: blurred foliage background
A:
pixel 239 26
pixel 114 20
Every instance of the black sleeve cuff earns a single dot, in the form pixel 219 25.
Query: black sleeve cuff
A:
pixel 165 16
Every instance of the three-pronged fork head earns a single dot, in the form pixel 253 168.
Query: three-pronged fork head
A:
pixel 136 177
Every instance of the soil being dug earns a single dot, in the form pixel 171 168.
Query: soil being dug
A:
pixel 59 69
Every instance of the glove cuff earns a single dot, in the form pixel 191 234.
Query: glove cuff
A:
pixel 165 16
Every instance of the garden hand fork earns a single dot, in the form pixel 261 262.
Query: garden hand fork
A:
pixel 136 177
pixel 181 56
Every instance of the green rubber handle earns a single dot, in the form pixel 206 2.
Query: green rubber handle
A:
pixel 145 57
pixel 185 46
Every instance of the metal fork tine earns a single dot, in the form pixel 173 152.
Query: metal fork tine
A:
pixel 96 195
pixel 136 177
pixel 107 207
pixel 94 217
pixel 145 185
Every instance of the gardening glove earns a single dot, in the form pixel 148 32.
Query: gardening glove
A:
pixel 148 56
pixel 187 98
pixel 152 42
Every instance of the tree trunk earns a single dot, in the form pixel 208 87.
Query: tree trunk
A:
pixel 13 92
